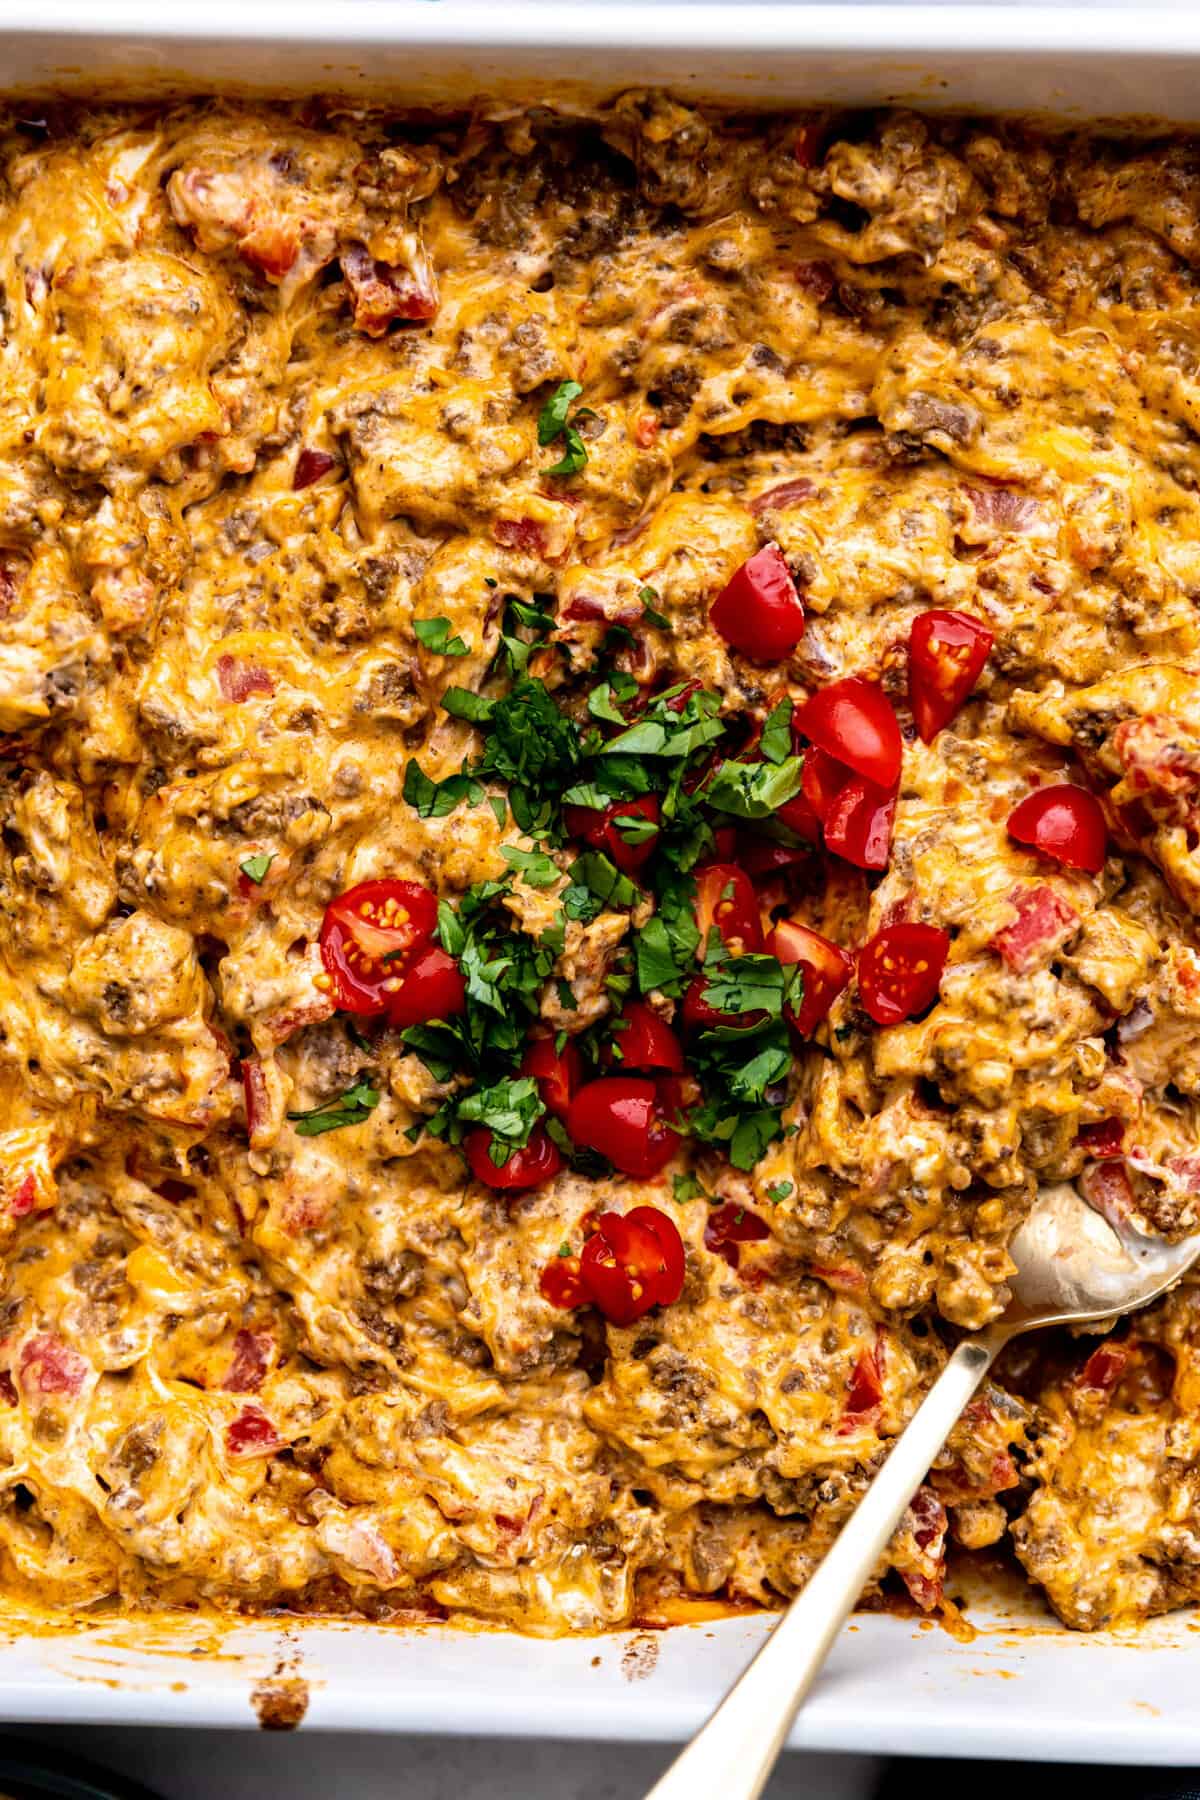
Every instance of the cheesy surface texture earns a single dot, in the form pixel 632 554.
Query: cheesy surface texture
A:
pixel 279 395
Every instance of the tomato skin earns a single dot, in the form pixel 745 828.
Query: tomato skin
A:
pixel 800 816
pixel 1063 822
pixel 946 652
pixel 561 1283
pixel 429 987
pixel 536 1162
pixel 853 721
pixel 366 935
pixel 725 898
pixel 620 1117
pixel 641 1040
pixel 1102 1372
pixel 866 1385
pixel 731 1225
pixel 758 611
pixel 899 970
pixel 600 830
pixel 827 970
pixel 859 824
pixel 1103 1140
pixel 557 1072
pixel 762 857
pixel 1044 921
pixel 633 1261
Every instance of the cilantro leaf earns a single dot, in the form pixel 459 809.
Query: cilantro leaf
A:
pixel 594 871
pixel 436 799
pixel 779 1190
pixel 350 1108
pixel 776 740
pixel 435 635
pixel 686 1187
pixel 574 457
pixel 509 1109
pixel 534 866
pixel 753 790
pixel 461 703
pixel 665 947
pixel 553 415
pixel 255 867
pixel 652 616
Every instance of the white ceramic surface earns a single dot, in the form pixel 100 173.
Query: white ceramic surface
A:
pixel 891 1685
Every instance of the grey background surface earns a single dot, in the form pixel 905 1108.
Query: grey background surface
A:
pixel 227 1765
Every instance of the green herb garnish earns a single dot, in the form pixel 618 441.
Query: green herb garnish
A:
pixel 351 1108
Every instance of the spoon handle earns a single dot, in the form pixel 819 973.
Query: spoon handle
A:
pixel 732 1755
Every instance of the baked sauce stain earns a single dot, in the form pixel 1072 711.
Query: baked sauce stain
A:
pixel 639 1659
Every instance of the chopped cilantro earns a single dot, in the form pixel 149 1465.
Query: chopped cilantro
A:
pixel 255 867
pixel 753 790
pixel 350 1108
pixel 779 1190
pixel 564 1249
pixel 665 947
pixel 435 635
pixel 686 1187
pixel 650 613
pixel 508 1108
pixel 601 877
pixel 534 866
pixel 436 799
pixel 553 423
pixel 776 740
pixel 461 703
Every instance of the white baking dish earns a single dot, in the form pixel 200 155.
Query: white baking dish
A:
pixel 1023 1687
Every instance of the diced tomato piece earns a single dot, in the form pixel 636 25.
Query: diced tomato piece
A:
pixel 725 898
pixel 253 1353
pixel 535 1163
pixel 926 1521
pixel 557 1072
pixel 643 1041
pixel 758 611
pixel 526 535
pixel 620 1117
pixel 238 680
pixel 946 652
pixel 1102 1372
pixel 382 292
pixel 827 969
pixel 252 1434
pixel 561 1283
pixel 729 1226
pixel 865 1392
pixel 900 969
pixel 1106 1187
pixel 1103 1140
pixel 1065 823
pixel 800 816
pixel 1043 923
pixel 368 934
pixel 47 1365
pixel 632 1262
pixel 762 857
pixel 429 986
pixel 310 466
pixel 254 1086
pixel 23 1198
pixel 816 278
pixel 787 493
pixel 629 848
pixel 821 780
pixel 853 721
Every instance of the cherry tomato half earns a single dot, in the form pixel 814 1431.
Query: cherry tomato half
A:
pixel 429 987
pixel 725 898
pixel 946 651
pixel 620 1117
pixel 366 933
pixel 633 1261
pixel 562 1284
pixel 557 1072
pixel 730 1225
pixel 859 826
pixel 536 1162
pixel 758 611
pixel 602 829
pixel 899 970
pixel 853 721
pixel 641 1040
pixel 1063 822
pixel 827 969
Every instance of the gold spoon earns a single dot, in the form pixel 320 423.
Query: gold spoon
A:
pixel 1073 1267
